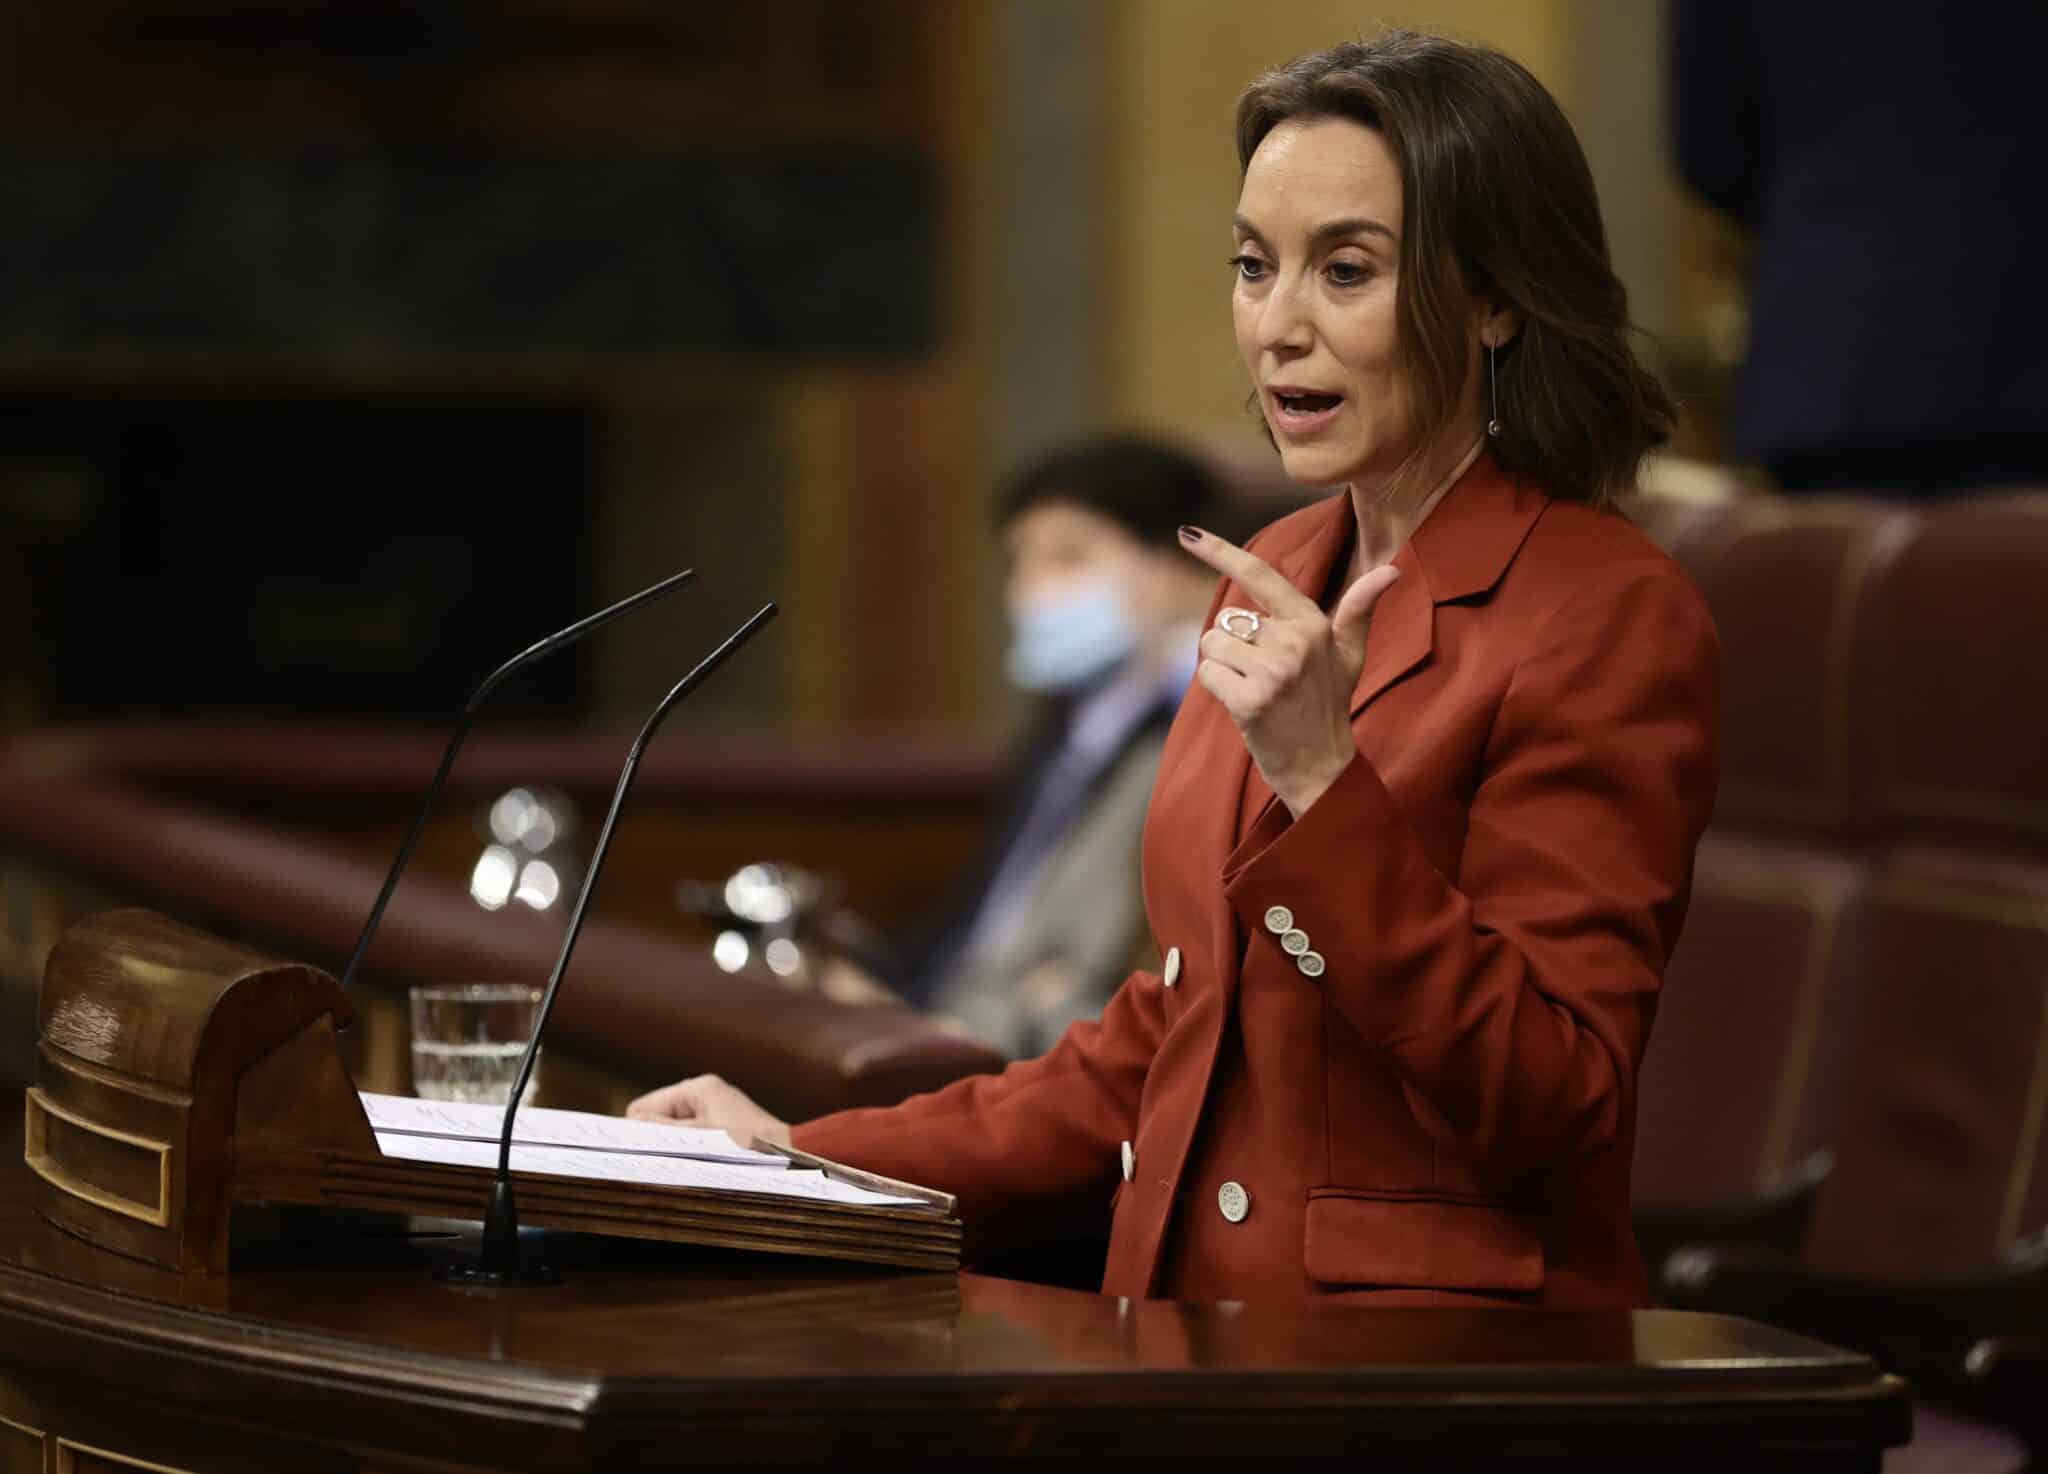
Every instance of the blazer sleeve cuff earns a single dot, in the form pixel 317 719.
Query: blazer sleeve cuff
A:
pixel 1293 864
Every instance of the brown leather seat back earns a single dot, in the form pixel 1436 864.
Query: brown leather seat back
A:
pixel 1951 732
pixel 1939 1155
pixel 1745 1063
pixel 1792 584
pixel 1744 1066
pixel 1939 1159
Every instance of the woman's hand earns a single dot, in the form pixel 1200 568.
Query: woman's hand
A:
pixel 1289 686
pixel 706 1100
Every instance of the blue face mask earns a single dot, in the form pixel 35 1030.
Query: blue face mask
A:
pixel 1064 640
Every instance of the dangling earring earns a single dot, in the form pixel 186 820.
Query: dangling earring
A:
pixel 1493 395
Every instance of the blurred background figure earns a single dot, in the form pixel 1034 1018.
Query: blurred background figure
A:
pixel 1888 160
pixel 1104 614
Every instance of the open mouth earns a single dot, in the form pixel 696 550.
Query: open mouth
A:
pixel 1306 404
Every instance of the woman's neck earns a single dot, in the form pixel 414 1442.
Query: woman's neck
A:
pixel 1388 514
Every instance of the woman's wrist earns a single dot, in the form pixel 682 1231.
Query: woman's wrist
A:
pixel 1299 792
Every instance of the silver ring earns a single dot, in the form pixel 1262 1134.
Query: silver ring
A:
pixel 1239 624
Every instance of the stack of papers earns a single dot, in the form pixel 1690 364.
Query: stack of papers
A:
pixel 578 1144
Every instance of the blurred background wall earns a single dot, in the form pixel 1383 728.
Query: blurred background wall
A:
pixel 347 345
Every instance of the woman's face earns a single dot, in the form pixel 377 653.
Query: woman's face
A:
pixel 1318 234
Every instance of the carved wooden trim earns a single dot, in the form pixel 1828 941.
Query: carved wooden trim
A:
pixel 36 1106
pixel 69 1449
pixel 26 1430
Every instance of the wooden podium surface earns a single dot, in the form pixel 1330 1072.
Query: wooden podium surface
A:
pixel 331 1347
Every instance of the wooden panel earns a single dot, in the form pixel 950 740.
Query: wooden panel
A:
pixel 110 1436
pixel 562 71
pixel 395 238
pixel 106 1110
pixel 118 1170
pixel 21 1448
pixel 83 1458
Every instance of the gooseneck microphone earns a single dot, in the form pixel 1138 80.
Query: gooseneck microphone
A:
pixel 497 1260
pixel 587 625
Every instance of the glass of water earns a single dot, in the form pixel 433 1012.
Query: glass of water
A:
pixel 467 1039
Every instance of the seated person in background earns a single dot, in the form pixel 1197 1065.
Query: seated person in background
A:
pixel 1105 614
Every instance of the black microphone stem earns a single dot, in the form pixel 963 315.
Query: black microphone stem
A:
pixel 587 625
pixel 499 1258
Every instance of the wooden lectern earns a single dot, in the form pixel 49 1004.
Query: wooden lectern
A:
pixel 179 1075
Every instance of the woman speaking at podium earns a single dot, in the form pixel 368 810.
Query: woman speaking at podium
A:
pixel 1421 843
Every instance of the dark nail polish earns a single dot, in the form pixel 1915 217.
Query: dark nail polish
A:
pixel 1190 534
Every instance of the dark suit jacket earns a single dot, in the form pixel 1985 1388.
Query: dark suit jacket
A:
pixel 1443 1104
pixel 1889 157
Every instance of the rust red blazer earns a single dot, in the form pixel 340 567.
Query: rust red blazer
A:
pixel 1392 1051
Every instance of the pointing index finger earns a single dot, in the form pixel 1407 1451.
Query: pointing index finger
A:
pixel 1250 572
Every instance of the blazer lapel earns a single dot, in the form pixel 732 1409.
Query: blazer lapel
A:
pixel 1401 634
pixel 1399 638
pixel 1460 550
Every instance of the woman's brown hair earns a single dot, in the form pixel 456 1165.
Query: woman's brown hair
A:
pixel 1496 201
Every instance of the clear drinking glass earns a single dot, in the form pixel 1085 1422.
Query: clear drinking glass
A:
pixel 467 1039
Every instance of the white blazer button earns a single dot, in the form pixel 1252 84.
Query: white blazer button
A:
pixel 1233 1202
pixel 1130 1161
pixel 1171 975
pixel 1294 943
pixel 1310 963
pixel 1279 919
